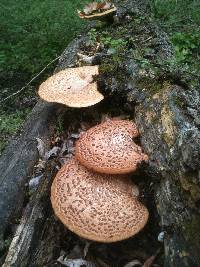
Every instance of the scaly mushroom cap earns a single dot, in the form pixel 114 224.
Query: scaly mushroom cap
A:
pixel 101 11
pixel 73 87
pixel 109 148
pixel 96 206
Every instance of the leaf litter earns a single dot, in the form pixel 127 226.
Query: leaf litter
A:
pixel 137 251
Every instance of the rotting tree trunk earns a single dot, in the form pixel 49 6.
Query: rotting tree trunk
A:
pixel 169 125
pixel 167 115
pixel 29 231
pixel 19 158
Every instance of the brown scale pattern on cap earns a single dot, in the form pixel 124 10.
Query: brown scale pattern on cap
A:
pixel 109 148
pixel 73 87
pixel 97 206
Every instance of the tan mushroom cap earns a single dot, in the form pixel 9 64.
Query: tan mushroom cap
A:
pixel 96 206
pixel 100 15
pixel 73 87
pixel 109 148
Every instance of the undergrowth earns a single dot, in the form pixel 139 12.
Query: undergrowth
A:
pixel 32 34
pixel 181 20
pixel 35 32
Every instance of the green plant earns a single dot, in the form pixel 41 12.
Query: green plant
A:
pixel 186 45
pixel 181 19
pixel 59 129
pixel 113 43
pixel 35 32
pixel 92 35
pixel 32 34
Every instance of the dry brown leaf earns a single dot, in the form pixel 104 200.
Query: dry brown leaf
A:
pixel 106 5
pixel 150 260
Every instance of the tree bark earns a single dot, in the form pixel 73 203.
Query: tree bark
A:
pixel 169 125
pixel 167 114
pixel 19 158
pixel 28 232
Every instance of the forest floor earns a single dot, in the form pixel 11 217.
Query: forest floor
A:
pixel 35 33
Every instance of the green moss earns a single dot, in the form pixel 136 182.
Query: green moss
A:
pixel 59 129
pixel 106 67
pixel 191 230
pixel 188 185
pixel 9 124
pixel 152 86
pixel 136 42
pixel 178 102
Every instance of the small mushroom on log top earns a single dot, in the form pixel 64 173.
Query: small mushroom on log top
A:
pixel 96 11
pixel 73 87
pixel 109 148
pixel 97 206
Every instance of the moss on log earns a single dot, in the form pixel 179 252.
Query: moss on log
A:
pixel 134 73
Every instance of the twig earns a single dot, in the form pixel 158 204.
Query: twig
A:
pixel 36 76
pixel 146 40
pixel 149 261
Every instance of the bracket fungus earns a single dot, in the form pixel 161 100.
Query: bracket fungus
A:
pixel 109 148
pixel 73 87
pixel 96 206
pixel 97 10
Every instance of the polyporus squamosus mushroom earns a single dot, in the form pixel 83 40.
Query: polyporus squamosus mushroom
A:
pixel 73 87
pixel 109 148
pixel 97 206
pixel 96 10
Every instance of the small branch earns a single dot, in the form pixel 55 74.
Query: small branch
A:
pixel 36 76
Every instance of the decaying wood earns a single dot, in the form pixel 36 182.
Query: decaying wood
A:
pixel 19 158
pixel 168 120
pixel 169 124
pixel 29 230
pixel 167 113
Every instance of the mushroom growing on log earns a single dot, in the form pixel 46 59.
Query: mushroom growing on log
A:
pixel 169 125
pixel 167 115
pixel 20 156
pixel 73 87
pixel 98 11
pixel 109 148
pixel 96 206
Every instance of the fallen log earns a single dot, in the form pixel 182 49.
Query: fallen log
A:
pixel 169 124
pixel 28 232
pixel 166 111
pixel 19 158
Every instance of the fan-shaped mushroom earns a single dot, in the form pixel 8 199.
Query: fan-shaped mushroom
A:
pixel 109 148
pixel 97 206
pixel 73 87
pixel 97 11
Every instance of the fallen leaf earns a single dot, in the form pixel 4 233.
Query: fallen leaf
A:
pixel 40 147
pixel 75 262
pixel 150 260
pixel 133 263
pixel 34 182
pixel 52 153
pixel 86 248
